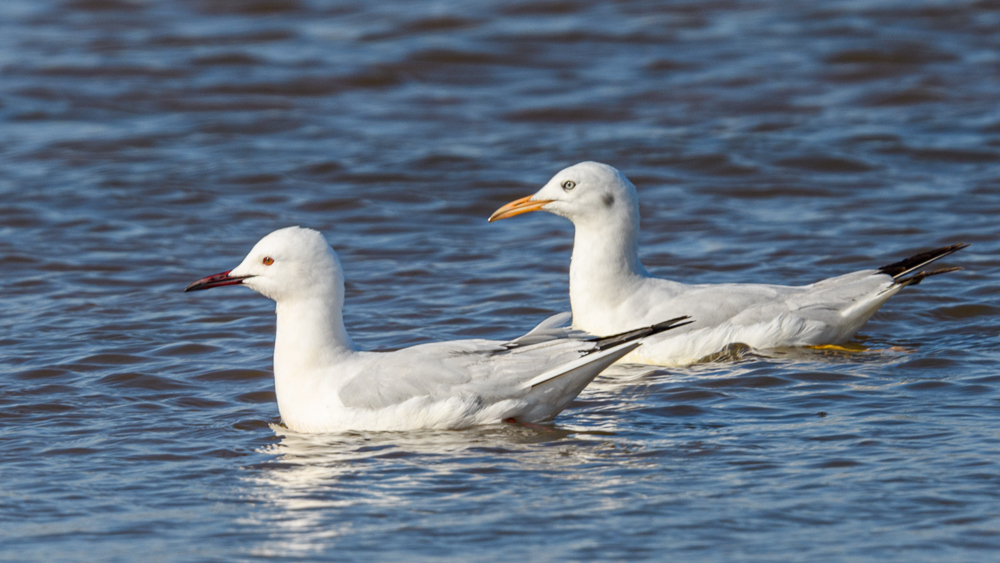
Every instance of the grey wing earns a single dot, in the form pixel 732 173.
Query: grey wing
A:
pixel 479 368
pixel 438 369
pixel 707 304
pixel 831 308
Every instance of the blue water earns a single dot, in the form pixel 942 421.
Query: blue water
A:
pixel 146 144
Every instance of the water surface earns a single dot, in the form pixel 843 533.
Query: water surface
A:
pixel 146 144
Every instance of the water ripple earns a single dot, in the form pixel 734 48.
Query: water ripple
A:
pixel 145 144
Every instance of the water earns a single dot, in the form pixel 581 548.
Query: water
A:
pixel 146 144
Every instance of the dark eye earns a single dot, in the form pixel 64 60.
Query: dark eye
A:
pixel 268 261
pixel 568 185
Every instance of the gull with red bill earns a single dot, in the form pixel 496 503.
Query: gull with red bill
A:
pixel 610 290
pixel 324 383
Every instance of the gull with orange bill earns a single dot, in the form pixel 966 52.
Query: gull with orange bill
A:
pixel 610 291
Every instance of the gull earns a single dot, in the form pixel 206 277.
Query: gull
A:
pixel 324 383
pixel 610 291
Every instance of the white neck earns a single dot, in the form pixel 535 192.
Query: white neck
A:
pixel 604 267
pixel 310 338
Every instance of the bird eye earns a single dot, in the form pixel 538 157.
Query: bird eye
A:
pixel 268 260
pixel 568 185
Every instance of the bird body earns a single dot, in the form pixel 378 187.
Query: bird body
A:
pixel 610 290
pixel 323 382
pixel 437 385
pixel 757 315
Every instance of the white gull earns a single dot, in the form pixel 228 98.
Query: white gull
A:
pixel 324 383
pixel 610 291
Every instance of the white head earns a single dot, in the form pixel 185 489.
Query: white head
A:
pixel 288 264
pixel 588 192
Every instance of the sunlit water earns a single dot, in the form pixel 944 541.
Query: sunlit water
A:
pixel 146 144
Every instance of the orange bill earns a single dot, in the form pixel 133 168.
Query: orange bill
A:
pixel 517 207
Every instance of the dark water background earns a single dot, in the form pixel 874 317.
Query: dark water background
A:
pixel 146 144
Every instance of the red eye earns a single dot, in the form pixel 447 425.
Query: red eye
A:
pixel 268 261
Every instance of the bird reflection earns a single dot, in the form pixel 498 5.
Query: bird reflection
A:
pixel 317 489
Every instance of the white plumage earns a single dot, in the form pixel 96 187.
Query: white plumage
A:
pixel 324 383
pixel 610 291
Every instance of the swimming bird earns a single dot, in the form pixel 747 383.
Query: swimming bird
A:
pixel 610 291
pixel 324 383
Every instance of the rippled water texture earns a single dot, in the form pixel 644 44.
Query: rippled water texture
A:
pixel 145 144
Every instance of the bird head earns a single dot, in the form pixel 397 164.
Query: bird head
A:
pixel 287 264
pixel 584 192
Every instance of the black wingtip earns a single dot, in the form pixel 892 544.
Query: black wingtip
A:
pixel 917 278
pixel 621 338
pixel 899 269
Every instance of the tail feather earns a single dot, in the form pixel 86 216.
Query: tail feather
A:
pixel 899 269
pixel 917 278
pixel 607 351
pixel 550 393
pixel 606 342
